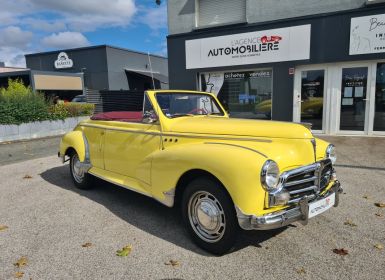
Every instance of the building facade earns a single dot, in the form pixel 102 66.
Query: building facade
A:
pixel 321 62
pixel 105 67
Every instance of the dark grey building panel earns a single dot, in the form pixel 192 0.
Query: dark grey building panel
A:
pixel 330 36
pixel 119 59
pixel 103 66
pixel 92 61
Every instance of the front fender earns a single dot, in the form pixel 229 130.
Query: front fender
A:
pixel 321 146
pixel 77 141
pixel 236 167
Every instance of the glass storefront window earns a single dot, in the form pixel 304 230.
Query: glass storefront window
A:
pixel 379 114
pixel 244 94
pixel 312 96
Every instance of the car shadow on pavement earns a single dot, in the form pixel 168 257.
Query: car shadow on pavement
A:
pixel 146 213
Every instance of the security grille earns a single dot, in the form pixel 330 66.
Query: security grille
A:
pixel 217 12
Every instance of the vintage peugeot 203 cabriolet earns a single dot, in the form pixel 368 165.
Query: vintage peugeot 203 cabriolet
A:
pixel 225 173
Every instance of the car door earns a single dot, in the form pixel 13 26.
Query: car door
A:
pixel 128 147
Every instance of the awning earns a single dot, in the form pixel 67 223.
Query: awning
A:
pixel 160 77
pixel 51 82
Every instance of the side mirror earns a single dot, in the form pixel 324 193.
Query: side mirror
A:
pixel 150 117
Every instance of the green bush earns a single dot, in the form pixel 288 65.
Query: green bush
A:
pixel 66 110
pixel 18 104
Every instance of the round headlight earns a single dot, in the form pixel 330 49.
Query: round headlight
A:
pixel 331 153
pixel 270 175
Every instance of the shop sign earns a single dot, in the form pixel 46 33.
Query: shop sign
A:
pixel 283 44
pixel 367 34
pixel 63 61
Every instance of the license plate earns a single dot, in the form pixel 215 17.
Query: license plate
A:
pixel 322 205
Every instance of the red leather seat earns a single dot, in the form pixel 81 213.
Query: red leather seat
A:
pixel 124 116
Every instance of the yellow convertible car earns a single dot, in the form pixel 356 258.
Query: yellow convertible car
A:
pixel 225 174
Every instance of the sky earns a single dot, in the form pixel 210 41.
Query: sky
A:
pixel 30 26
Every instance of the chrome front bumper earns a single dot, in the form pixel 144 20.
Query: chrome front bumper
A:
pixel 285 217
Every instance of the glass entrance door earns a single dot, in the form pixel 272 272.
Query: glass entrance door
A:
pixel 312 98
pixel 379 107
pixel 354 86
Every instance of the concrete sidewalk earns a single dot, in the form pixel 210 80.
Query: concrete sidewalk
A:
pixel 11 152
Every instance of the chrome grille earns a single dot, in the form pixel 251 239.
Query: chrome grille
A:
pixel 308 180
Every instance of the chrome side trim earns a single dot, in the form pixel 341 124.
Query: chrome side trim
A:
pixel 314 143
pixel 169 198
pixel 87 149
pixel 86 164
pixel 182 135
pixel 122 129
pixel 238 146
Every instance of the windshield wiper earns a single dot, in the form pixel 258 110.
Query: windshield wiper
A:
pixel 181 115
pixel 215 114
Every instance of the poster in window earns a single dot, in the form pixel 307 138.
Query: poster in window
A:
pixel 359 92
pixel 347 101
pixel 348 92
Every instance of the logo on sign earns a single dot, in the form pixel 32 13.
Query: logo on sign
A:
pixel 248 46
pixel 63 61
pixel 367 35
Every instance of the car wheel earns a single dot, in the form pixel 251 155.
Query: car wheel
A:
pixel 81 179
pixel 209 216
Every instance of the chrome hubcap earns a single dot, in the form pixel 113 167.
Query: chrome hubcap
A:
pixel 77 170
pixel 206 216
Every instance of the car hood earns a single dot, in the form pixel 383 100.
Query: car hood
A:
pixel 239 127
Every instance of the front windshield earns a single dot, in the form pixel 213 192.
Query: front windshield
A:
pixel 187 104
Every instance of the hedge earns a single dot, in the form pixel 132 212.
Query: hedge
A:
pixel 18 104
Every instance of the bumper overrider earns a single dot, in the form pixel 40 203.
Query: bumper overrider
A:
pixel 287 216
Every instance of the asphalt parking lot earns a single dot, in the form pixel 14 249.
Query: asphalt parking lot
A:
pixel 48 220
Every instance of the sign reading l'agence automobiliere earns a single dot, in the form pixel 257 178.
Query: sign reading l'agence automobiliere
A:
pixel 283 44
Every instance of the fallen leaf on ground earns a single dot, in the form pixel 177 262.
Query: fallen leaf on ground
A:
pixel 19 274
pixel 3 227
pixel 380 204
pixel 125 251
pixel 341 252
pixel 27 177
pixel 301 270
pixel 379 215
pixel 379 246
pixel 88 244
pixel 21 262
pixel 172 263
pixel 349 223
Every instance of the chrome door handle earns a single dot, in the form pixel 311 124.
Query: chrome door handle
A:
pixel 366 99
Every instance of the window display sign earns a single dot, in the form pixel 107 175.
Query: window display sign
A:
pixel 367 34
pixel 245 94
pixel 283 44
